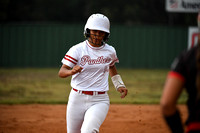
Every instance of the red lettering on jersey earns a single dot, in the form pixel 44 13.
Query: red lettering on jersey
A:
pixel 100 60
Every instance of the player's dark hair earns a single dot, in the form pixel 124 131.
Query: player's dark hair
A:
pixel 198 71
pixel 87 33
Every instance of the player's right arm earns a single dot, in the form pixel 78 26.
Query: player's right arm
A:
pixel 66 71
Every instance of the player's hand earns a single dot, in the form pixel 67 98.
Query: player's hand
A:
pixel 123 91
pixel 76 69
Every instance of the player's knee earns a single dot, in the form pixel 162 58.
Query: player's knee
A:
pixel 95 131
pixel 90 131
pixel 73 131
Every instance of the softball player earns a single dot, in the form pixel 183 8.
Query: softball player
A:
pixel 185 73
pixel 90 63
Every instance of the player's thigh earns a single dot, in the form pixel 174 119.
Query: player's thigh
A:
pixel 74 119
pixel 94 117
pixel 75 112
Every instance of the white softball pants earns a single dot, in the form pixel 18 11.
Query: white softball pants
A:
pixel 86 113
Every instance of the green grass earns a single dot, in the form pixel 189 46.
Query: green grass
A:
pixel 24 86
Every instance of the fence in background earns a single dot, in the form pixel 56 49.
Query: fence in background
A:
pixel 44 45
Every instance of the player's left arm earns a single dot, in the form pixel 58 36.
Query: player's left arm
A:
pixel 117 81
pixel 172 90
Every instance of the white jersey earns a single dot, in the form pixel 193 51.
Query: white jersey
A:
pixel 95 62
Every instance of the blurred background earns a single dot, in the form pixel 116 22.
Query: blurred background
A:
pixel 38 33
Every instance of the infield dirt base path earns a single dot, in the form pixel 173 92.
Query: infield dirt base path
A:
pixel 39 118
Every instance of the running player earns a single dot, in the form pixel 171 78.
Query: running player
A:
pixel 90 63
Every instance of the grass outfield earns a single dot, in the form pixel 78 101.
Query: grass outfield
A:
pixel 24 86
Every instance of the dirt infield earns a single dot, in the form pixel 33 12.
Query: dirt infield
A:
pixel 39 118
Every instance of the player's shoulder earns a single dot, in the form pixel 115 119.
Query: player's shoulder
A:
pixel 79 45
pixel 185 57
pixel 188 54
pixel 107 46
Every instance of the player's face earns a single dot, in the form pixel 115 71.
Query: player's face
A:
pixel 96 36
